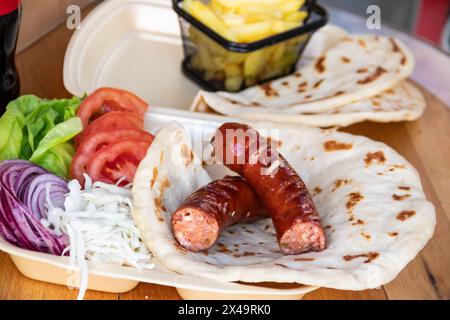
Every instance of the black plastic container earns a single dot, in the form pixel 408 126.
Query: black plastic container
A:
pixel 234 66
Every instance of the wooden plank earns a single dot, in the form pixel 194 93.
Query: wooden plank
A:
pixel 40 66
pixel 147 291
pixel 430 137
pixel 332 294
pixel 427 277
pixel 15 286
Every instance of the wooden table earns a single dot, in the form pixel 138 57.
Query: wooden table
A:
pixel 425 143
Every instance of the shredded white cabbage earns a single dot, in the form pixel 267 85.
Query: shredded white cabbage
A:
pixel 100 228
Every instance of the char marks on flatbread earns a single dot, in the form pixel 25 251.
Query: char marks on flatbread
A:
pixel 400 103
pixel 370 199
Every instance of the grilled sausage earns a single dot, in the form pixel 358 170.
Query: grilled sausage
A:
pixel 290 205
pixel 198 222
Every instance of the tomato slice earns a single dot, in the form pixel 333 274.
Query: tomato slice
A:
pixel 117 161
pixel 114 120
pixel 111 121
pixel 104 100
pixel 98 140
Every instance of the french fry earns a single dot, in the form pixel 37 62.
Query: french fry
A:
pixel 233 20
pixel 286 62
pixel 219 63
pixel 257 17
pixel 233 83
pixel 219 9
pixel 291 6
pixel 296 16
pixel 220 75
pixel 205 58
pixel 255 63
pixel 277 52
pixel 273 12
pixel 282 26
pixel 253 32
pixel 233 70
pixel 202 13
pixel 271 72
pixel 236 57
pixel 247 20
pixel 255 3
pixel 210 44
pixel 196 62
pixel 273 9
pixel 293 44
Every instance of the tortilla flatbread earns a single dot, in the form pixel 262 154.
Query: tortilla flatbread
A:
pixel 370 200
pixel 404 102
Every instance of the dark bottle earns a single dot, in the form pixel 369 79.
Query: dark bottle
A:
pixel 10 13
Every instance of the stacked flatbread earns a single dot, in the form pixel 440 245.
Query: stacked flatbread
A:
pixel 370 200
pixel 343 79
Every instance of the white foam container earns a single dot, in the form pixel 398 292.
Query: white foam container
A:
pixel 136 45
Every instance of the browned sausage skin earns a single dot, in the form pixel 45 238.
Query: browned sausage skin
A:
pixel 290 205
pixel 199 221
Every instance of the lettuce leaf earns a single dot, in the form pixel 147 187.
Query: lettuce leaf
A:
pixel 34 129
pixel 11 134
pixel 57 159
pixel 59 134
